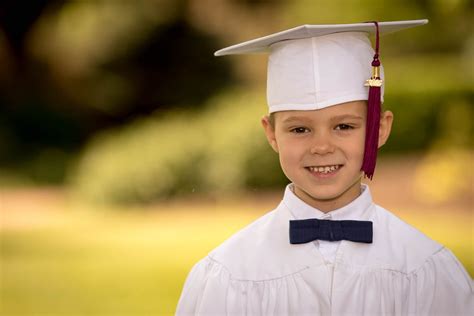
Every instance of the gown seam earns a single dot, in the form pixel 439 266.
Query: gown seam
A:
pixel 262 280
pixel 231 278
pixel 406 273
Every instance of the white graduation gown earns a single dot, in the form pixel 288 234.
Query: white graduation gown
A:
pixel 258 272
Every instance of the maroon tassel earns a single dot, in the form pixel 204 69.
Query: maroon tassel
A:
pixel 372 132
pixel 373 114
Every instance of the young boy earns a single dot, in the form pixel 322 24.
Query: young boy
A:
pixel 327 249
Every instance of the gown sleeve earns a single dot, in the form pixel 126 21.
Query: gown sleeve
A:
pixel 205 290
pixel 443 287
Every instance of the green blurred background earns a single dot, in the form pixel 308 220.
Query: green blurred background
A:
pixel 127 151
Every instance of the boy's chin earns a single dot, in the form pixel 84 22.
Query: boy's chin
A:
pixel 322 197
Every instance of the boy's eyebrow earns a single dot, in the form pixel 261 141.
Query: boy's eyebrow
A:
pixel 295 119
pixel 346 116
pixel 333 118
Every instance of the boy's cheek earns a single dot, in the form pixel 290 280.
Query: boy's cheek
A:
pixel 289 158
pixel 274 145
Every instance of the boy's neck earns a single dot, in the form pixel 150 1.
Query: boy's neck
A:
pixel 330 204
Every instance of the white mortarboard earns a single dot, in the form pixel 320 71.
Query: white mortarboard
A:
pixel 311 67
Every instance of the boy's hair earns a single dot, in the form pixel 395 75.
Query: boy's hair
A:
pixel 271 119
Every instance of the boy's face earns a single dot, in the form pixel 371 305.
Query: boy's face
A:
pixel 321 151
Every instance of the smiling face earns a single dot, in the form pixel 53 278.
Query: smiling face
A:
pixel 321 151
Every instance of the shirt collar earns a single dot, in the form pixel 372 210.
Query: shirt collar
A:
pixel 358 209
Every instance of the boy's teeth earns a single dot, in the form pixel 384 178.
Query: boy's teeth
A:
pixel 325 169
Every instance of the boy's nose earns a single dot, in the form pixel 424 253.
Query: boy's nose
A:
pixel 321 146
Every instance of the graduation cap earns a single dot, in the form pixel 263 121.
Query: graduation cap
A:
pixel 311 67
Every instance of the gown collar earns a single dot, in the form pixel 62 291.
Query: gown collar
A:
pixel 358 209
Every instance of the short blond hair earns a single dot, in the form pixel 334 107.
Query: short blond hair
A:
pixel 271 119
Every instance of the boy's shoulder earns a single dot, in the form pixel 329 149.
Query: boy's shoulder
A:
pixel 395 238
pixel 261 250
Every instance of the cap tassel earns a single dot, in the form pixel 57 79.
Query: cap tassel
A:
pixel 373 113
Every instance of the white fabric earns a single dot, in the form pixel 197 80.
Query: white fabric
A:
pixel 317 72
pixel 261 44
pixel 258 272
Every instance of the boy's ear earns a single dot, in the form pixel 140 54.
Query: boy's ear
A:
pixel 269 132
pixel 386 120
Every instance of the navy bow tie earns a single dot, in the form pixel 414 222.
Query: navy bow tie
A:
pixel 306 230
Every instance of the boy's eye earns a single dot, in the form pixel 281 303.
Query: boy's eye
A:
pixel 343 127
pixel 299 130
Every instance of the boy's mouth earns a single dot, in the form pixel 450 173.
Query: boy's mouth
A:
pixel 324 169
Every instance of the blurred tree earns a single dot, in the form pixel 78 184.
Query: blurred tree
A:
pixel 77 67
pixel 29 124
pixel 176 57
pixel 16 20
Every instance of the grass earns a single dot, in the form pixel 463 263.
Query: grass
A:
pixel 69 260
pixel 96 262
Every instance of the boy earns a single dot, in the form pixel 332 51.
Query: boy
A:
pixel 327 249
